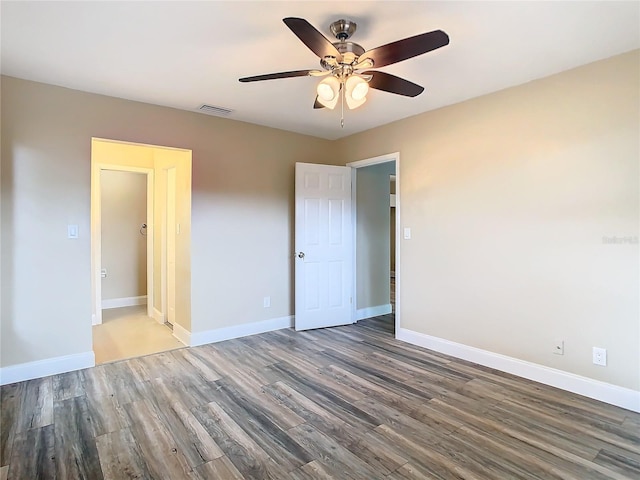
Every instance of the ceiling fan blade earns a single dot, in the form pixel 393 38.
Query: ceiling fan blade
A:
pixel 273 76
pixel 317 104
pixel 312 38
pixel 392 84
pixel 406 48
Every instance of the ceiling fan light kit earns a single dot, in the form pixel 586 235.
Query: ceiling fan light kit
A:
pixel 342 63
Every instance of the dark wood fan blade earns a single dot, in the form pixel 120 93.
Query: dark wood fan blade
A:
pixel 317 104
pixel 312 38
pixel 392 84
pixel 274 76
pixel 407 48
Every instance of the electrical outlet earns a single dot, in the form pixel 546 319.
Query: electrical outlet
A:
pixel 103 273
pixel 558 347
pixel 600 356
pixel 266 302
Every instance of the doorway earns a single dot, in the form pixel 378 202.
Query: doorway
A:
pixel 376 197
pixel 327 279
pixel 135 324
pixel 126 256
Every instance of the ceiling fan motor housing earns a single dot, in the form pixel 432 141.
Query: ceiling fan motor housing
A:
pixel 350 51
pixel 342 29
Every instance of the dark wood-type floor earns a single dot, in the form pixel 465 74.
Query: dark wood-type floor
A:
pixel 345 403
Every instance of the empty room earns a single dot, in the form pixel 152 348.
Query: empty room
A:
pixel 311 240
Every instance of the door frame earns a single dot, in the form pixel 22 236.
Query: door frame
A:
pixel 96 233
pixel 386 158
pixel 168 248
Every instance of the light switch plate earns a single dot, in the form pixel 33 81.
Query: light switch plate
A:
pixel 72 231
pixel 407 233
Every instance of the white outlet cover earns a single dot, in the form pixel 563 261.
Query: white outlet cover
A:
pixel 558 347
pixel 600 356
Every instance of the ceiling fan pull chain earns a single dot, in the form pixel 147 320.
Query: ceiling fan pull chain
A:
pixel 342 106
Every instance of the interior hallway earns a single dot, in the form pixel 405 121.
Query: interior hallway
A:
pixel 128 332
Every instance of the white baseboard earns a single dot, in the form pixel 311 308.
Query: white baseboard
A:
pixel 159 316
pixel 237 331
pixel 605 392
pixel 124 302
pixel 370 312
pixel 182 334
pixel 44 368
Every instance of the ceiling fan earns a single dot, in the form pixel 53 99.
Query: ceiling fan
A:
pixel 346 64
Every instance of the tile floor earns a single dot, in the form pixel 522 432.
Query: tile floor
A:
pixel 128 332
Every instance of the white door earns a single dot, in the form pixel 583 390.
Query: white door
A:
pixel 324 249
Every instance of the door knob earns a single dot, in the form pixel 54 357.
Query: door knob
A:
pixel 301 255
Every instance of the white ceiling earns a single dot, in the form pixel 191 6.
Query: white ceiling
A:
pixel 183 54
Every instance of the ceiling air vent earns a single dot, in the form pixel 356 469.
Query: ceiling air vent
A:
pixel 213 110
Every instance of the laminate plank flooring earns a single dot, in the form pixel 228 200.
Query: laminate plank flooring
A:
pixel 346 403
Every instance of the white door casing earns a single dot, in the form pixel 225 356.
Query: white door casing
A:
pixel 324 247
pixel 96 234
pixel 171 233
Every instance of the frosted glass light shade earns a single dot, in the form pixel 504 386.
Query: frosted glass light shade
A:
pixel 328 89
pixel 356 91
pixel 352 103
pixel 328 92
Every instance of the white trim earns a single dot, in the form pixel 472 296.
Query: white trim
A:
pixel 238 331
pixel 124 302
pixel 158 316
pixel 354 240
pixel 182 334
pixel 44 368
pixel 387 157
pixel 602 391
pixel 370 312
pixel 135 144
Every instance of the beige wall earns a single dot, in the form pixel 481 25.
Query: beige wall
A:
pixel 242 212
pixel 509 197
pixel 124 249
pixel 372 235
